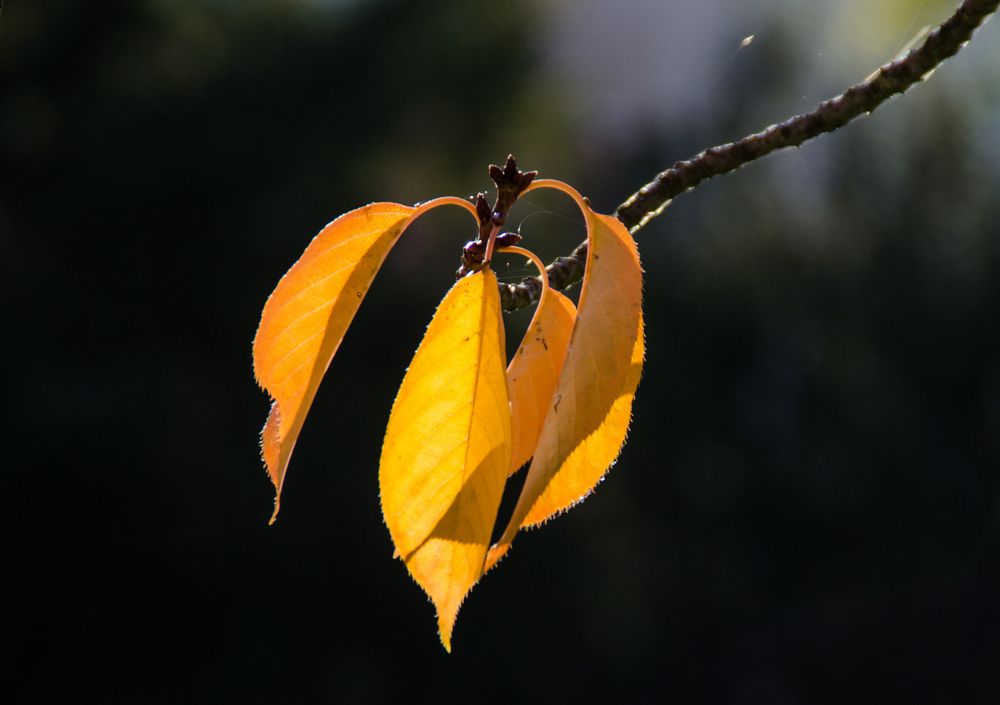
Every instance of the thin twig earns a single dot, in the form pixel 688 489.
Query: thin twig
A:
pixel 861 99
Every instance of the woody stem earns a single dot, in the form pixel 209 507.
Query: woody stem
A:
pixel 886 81
pixel 490 245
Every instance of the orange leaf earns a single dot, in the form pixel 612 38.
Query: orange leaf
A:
pixel 447 447
pixel 534 370
pixel 588 418
pixel 306 316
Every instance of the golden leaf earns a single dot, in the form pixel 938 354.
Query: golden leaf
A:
pixel 588 418
pixel 447 447
pixel 306 316
pixel 534 369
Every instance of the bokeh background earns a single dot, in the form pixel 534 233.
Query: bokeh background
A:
pixel 807 509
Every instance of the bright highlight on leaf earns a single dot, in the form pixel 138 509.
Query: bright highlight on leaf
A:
pixel 463 419
pixel 447 447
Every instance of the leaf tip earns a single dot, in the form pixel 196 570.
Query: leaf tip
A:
pixel 495 555
pixel 270 450
pixel 270 445
pixel 446 624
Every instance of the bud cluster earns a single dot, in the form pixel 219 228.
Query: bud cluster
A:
pixel 510 182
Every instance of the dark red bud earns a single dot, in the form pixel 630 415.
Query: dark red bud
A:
pixel 483 209
pixel 508 239
pixel 473 251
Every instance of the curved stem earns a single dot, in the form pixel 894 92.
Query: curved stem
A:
pixel 490 244
pixel 535 259
pixel 444 201
pixel 863 98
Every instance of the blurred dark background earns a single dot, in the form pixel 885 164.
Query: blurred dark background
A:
pixel 807 509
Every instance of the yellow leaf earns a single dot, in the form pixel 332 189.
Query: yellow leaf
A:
pixel 588 418
pixel 534 370
pixel 306 316
pixel 447 447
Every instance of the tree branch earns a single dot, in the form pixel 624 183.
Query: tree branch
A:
pixel 861 99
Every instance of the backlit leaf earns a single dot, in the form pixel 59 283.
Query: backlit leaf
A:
pixel 447 447
pixel 306 316
pixel 588 418
pixel 587 463
pixel 534 369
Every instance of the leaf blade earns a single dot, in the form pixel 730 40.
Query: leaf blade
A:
pixel 588 419
pixel 307 315
pixel 587 464
pixel 534 371
pixel 447 447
